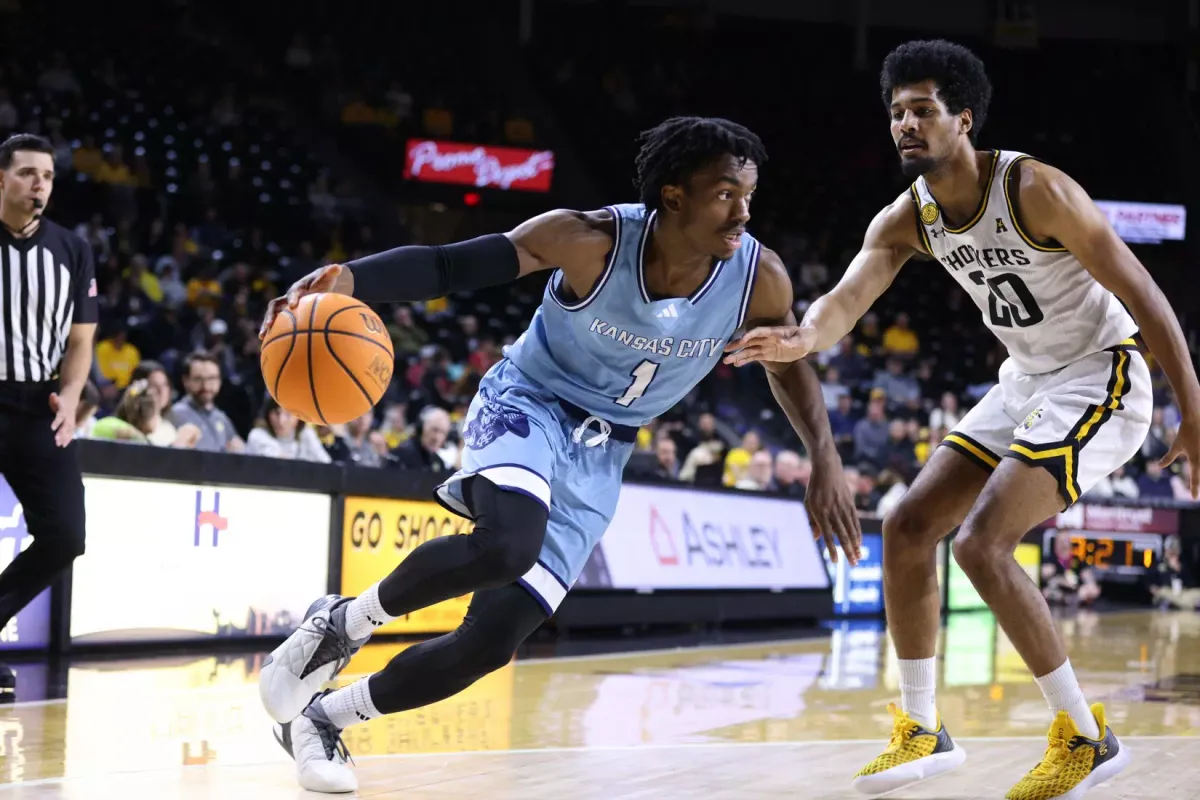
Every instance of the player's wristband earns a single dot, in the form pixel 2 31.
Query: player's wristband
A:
pixel 418 272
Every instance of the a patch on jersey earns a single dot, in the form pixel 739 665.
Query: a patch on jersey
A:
pixel 1000 226
pixel 492 422
pixel 1033 417
pixel 929 213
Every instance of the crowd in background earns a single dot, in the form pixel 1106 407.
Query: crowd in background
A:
pixel 201 203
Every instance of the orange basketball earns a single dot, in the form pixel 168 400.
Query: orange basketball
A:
pixel 329 360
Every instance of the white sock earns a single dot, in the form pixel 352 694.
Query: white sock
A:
pixel 918 678
pixel 1063 694
pixel 364 614
pixel 350 705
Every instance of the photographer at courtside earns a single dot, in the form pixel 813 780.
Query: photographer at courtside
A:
pixel 48 313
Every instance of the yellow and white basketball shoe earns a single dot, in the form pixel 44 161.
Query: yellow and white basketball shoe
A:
pixel 913 754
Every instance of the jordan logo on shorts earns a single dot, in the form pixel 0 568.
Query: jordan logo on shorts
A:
pixel 492 422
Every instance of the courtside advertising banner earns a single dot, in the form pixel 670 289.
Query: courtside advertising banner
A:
pixel 377 534
pixel 31 626
pixel 174 561
pixel 484 166
pixel 1147 223
pixel 858 588
pixel 665 538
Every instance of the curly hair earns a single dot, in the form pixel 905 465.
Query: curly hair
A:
pixel 674 150
pixel 959 74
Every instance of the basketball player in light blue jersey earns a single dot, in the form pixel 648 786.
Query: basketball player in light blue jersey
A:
pixel 640 304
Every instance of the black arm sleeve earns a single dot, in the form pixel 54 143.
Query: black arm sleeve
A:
pixel 420 273
pixel 87 304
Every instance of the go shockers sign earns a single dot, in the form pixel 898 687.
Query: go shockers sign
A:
pixel 377 534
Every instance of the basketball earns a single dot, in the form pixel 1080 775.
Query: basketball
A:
pixel 329 360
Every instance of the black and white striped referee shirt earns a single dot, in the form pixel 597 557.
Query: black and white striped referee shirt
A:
pixel 47 284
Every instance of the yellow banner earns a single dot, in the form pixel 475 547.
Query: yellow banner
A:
pixel 377 534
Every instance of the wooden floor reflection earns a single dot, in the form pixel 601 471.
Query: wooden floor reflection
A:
pixel 786 719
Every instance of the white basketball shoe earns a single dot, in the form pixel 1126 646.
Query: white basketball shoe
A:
pixel 315 744
pixel 315 652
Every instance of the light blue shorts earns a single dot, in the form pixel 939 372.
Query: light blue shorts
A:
pixel 524 439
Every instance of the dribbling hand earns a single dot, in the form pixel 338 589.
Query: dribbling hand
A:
pixel 323 279
pixel 781 344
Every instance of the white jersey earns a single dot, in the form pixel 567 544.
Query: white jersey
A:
pixel 1036 297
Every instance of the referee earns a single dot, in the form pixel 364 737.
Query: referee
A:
pixel 48 313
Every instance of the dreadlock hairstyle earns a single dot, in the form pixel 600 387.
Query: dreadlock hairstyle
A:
pixel 961 79
pixel 671 152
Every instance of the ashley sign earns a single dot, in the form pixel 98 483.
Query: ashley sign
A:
pixel 479 165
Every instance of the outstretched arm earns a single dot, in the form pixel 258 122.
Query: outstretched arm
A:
pixel 569 240
pixel 797 389
pixel 890 241
pixel 1057 207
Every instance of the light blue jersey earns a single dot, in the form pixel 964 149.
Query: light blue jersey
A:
pixel 557 417
pixel 622 355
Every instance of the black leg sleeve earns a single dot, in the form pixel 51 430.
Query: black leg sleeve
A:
pixel 497 621
pixel 506 541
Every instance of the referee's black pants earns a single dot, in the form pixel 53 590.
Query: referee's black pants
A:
pixel 48 483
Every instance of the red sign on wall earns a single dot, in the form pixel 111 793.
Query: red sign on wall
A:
pixel 479 165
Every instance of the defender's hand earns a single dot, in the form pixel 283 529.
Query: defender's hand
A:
pixel 831 511
pixel 324 279
pixel 782 344
pixel 1187 444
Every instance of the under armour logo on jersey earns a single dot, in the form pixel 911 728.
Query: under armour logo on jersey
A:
pixel 1000 227
pixel 936 232
pixel 668 313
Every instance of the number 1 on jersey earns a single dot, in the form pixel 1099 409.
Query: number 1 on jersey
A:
pixel 642 374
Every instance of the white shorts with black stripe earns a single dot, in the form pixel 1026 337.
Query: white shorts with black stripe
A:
pixel 1080 422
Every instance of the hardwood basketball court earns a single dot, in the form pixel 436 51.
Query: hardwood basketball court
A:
pixel 777 719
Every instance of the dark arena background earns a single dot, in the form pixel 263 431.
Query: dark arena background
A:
pixel 212 153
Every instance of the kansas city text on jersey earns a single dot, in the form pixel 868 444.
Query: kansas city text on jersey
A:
pixel 663 346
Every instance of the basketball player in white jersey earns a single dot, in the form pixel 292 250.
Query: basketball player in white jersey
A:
pixel 1072 404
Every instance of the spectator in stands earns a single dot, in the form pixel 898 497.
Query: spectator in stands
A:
pixel 667 459
pixel 367 448
pixel 738 459
pixel 704 465
pixel 136 417
pixel 893 488
pixel 202 382
pixel 866 494
pixel 155 375
pixel 421 451
pixel 116 355
pixel 832 387
pixel 871 432
pixel 842 422
pixel 814 274
pixel 8 114
pixel 870 338
pixel 278 434
pixel 1174 581
pixel 85 412
pixel 851 365
pixel 394 426
pixel 1119 484
pixel 901 389
pixel 1065 579
pixel 899 339
pixel 899 452
pixel 792 473
pixel 757 477
pixel 1153 483
pixel 947 414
